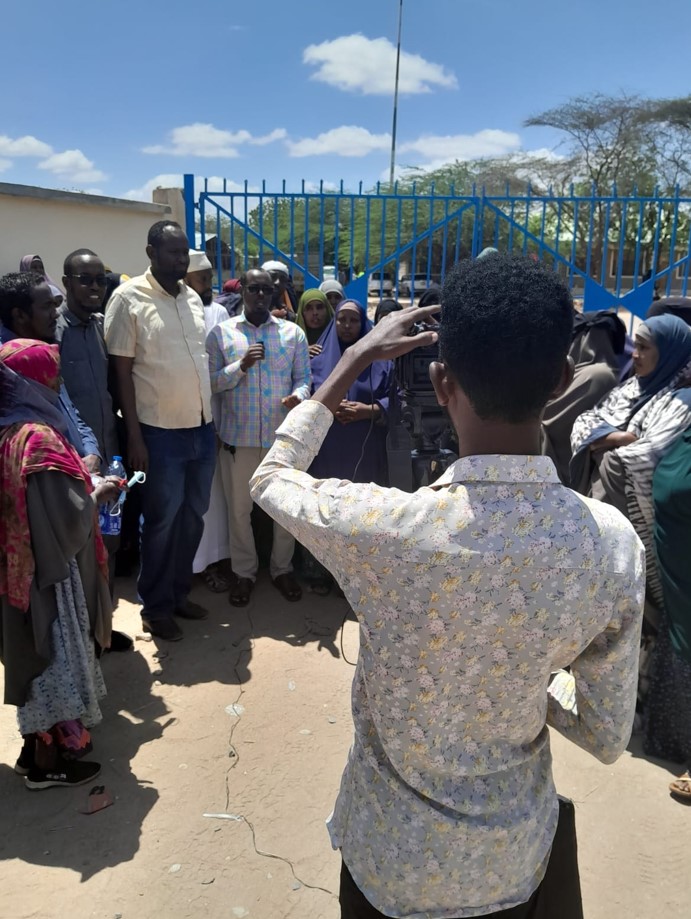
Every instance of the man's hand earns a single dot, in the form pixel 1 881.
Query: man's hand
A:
pixel 315 349
pixel 137 454
pixel 391 339
pixel 355 411
pixel 386 341
pixel 253 354
pixel 92 463
pixel 290 401
pixel 279 313
pixel 612 441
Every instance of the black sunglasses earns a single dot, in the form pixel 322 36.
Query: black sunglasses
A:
pixel 259 288
pixel 88 279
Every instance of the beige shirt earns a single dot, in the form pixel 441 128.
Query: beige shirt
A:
pixel 166 337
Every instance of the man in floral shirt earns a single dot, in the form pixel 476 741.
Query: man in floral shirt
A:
pixel 469 594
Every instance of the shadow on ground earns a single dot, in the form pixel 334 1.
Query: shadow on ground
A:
pixel 63 837
pixel 219 649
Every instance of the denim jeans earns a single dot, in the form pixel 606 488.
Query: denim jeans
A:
pixel 175 497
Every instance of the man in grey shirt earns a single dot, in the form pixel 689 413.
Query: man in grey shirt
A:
pixel 84 359
pixel 84 365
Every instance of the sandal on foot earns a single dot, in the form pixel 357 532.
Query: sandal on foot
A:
pixel 289 587
pixel 681 787
pixel 215 581
pixel 240 592
pixel 321 588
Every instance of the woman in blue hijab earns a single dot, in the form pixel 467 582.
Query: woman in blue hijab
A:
pixel 618 444
pixel 355 447
pixel 663 349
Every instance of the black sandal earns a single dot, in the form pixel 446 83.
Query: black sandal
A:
pixel 289 587
pixel 322 587
pixel 241 592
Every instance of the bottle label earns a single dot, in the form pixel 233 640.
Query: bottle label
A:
pixel 110 526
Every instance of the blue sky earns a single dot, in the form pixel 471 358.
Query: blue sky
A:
pixel 122 96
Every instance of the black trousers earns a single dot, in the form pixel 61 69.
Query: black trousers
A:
pixel 559 894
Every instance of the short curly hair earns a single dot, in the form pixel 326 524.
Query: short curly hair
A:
pixel 505 331
pixel 17 292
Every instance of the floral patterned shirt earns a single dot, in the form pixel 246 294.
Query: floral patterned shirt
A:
pixel 469 594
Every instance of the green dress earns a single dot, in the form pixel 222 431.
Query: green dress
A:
pixel 668 703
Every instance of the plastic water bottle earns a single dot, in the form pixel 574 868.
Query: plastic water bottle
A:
pixel 111 524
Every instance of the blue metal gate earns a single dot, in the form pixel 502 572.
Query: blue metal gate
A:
pixel 613 250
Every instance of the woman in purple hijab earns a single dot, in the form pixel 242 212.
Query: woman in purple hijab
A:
pixel 35 263
pixel 355 447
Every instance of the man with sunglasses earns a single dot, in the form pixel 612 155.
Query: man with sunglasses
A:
pixel 84 366
pixel 83 354
pixel 259 367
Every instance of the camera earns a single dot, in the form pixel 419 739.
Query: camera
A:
pixel 421 442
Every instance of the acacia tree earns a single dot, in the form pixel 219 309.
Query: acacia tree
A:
pixel 632 146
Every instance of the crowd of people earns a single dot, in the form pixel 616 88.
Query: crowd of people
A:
pixel 620 433
pixel 191 387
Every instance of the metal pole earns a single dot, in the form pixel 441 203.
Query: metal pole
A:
pixel 395 96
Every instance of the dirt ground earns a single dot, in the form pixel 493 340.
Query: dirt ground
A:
pixel 224 752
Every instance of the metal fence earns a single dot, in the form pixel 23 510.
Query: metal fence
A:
pixel 611 249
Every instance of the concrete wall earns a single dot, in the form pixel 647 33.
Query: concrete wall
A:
pixel 53 223
pixel 172 198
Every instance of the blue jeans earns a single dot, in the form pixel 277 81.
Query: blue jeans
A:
pixel 175 497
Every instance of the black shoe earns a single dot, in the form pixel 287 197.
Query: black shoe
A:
pixel 66 774
pixel 25 760
pixel 167 629
pixel 120 642
pixel 189 610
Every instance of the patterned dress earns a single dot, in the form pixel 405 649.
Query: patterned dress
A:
pixel 72 684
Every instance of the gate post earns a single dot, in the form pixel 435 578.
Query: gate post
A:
pixel 478 227
pixel 190 205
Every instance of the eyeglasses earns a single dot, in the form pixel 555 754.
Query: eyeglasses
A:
pixel 88 279
pixel 259 289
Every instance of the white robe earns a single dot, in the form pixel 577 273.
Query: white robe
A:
pixel 215 544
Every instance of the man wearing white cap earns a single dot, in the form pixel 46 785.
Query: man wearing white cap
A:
pixel 215 544
pixel 200 278
pixel 282 304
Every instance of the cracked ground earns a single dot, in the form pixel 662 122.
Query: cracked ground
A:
pixel 223 754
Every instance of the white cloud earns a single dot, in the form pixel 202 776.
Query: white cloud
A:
pixel 356 63
pixel 5 165
pixel 353 141
pixel 448 148
pixel 543 153
pixel 276 134
pixel 175 180
pixel 348 140
pixel 72 165
pixel 163 180
pixel 23 146
pixel 205 140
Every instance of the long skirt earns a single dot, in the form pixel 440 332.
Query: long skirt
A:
pixel 70 687
pixel 667 722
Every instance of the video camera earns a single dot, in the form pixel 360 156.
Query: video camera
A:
pixel 421 442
